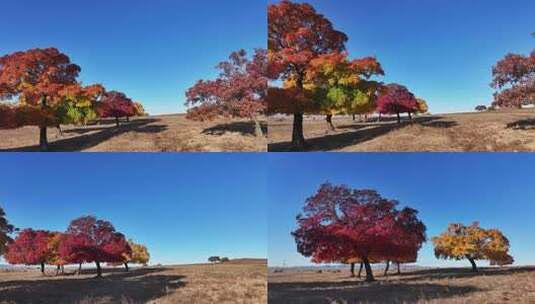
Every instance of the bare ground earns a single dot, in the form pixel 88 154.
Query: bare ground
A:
pixel 511 130
pixel 146 134
pixel 453 285
pixel 241 281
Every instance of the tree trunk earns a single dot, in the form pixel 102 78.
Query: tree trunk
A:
pixel 298 139
pixel 126 266
pixel 386 268
pixel 474 266
pixel 379 117
pixel 80 268
pixel 258 128
pixel 329 119
pixel 42 268
pixel 352 270
pixel 369 273
pixel 117 121
pixel 399 267
pixel 360 269
pixel 128 118
pixel 399 117
pixel 43 140
pixel 58 268
pixel 62 269
pixel 99 270
pixel 353 117
pixel 410 116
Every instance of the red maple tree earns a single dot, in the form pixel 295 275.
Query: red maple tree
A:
pixel 116 104
pixel 397 99
pixel 296 35
pixel 339 224
pixel 30 247
pixel 36 77
pixel 89 240
pixel 239 91
pixel 514 81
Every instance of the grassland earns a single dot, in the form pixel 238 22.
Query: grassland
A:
pixel 239 281
pixel 504 130
pixel 452 285
pixel 147 134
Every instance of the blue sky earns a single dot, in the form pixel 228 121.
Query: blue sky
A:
pixel 151 50
pixel 184 207
pixel 495 189
pixel 442 50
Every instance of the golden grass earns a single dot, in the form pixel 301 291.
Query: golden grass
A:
pixel 511 130
pixel 238 282
pixel 166 133
pixel 490 285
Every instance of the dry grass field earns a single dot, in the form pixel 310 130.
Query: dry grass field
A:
pixel 239 281
pixel 505 130
pixel 147 134
pixel 490 285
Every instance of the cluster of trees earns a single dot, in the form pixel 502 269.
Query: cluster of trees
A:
pixel 343 225
pixel 239 91
pixel 308 55
pixel 86 240
pixel 217 259
pixel 514 81
pixel 39 87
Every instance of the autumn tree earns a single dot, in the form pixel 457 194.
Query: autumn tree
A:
pixel 421 107
pixel 139 254
pixel 77 104
pixel 339 223
pixel 514 81
pixel 30 247
pixel 54 257
pixel 139 110
pixel 239 90
pixel 473 243
pixel 116 104
pixel 297 34
pixel 35 79
pixel 343 86
pixel 5 230
pixel 91 240
pixel 397 99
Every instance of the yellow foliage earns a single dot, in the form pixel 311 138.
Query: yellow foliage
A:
pixel 140 254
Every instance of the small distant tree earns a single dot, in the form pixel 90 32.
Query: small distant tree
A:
pixel 30 247
pixel 116 104
pixel 139 110
pixel 421 107
pixel 481 108
pixel 54 257
pixel 225 260
pixel 239 91
pixel 473 243
pixel 5 230
pixel 397 99
pixel 214 259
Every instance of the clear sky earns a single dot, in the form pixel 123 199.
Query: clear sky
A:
pixel 184 207
pixel 442 50
pixel 151 50
pixel 495 189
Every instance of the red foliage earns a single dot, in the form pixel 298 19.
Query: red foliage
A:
pixel 30 247
pixel 514 75
pixel 339 223
pixel 396 99
pixel 239 91
pixel 35 74
pixel 116 104
pixel 90 240
pixel 7 117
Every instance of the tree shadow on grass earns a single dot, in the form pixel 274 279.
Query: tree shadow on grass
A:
pixel 523 124
pixel 359 133
pixel 360 292
pixel 87 140
pixel 242 127
pixel 458 273
pixel 135 286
